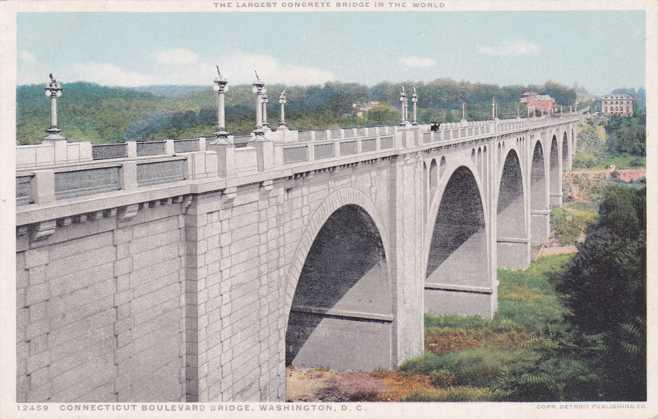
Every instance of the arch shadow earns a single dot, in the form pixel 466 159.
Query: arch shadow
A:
pixel 341 314
pixel 513 250
pixel 457 279
pixel 539 210
pixel 566 154
pixel 555 175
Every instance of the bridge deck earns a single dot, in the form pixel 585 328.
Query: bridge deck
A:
pixel 127 173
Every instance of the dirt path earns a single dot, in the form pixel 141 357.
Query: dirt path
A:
pixel 556 250
pixel 319 384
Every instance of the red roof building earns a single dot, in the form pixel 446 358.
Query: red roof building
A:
pixel 540 103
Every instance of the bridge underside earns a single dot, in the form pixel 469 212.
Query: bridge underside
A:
pixel 342 314
pixel 540 211
pixel 513 243
pixel 457 278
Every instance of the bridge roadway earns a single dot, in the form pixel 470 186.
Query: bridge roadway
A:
pixel 192 270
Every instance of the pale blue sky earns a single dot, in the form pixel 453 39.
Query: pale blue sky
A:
pixel 598 50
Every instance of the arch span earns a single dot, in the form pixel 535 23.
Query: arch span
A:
pixel 512 241
pixel 434 178
pixel 566 154
pixel 341 314
pixel 555 174
pixel 539 210
pixel 457 277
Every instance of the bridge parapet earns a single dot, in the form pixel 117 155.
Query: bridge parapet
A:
pixel 60 170
pixel 43 186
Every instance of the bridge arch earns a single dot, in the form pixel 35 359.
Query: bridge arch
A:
pixel 457 268
pixel 539 209
pixel 434 178
pixel 566 153
pixel 339 295
pixel 555 173
pixel 512 240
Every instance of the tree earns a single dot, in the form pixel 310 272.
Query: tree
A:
pixel 382 114
pixel 604 288
pixel 563 95
pixel 627 135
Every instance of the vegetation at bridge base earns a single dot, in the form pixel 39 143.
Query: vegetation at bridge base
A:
pixel 569 223
pixel 569 328
pixel 604 289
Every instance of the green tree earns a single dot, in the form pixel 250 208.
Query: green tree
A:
pixel 604 288
pixel 627 135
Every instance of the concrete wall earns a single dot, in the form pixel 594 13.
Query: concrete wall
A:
pixel 100 313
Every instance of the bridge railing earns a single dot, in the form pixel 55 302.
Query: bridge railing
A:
pixel 62 152
pixel 57 171
pixel 52 153
pixel 43 186
pixel 343 133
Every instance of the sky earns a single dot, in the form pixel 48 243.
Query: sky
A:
pixel 600 50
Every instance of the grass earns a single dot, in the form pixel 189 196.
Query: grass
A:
pixel 469 358
pixel 454 394
pixel 570 222
pixel 588 160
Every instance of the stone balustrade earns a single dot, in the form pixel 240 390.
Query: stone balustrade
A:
pixel 61 170
pixel 46 185
pixel 51 153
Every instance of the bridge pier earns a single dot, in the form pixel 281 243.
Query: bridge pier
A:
pixel 513 252
pixel 407 225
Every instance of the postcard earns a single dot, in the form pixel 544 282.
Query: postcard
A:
pixel 293 208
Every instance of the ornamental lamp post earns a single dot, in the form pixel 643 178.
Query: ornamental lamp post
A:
pixel 219 86
pixel 403 106
pixel 53 90
pixel 265 101
pixel 463 111
pixel 493 109
pixel 414 101
pixel 258 89
pixel 282 101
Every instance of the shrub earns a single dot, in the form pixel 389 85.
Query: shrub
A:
pixel 555 377
pixel 454 394
pixel 604 289
pixel 473 367
pixel 569 223
pixel 442 378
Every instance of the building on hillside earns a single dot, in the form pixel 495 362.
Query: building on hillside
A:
pixel 538 103
pixel 620 105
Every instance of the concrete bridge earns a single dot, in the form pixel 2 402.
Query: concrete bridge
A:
pixel 195 270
